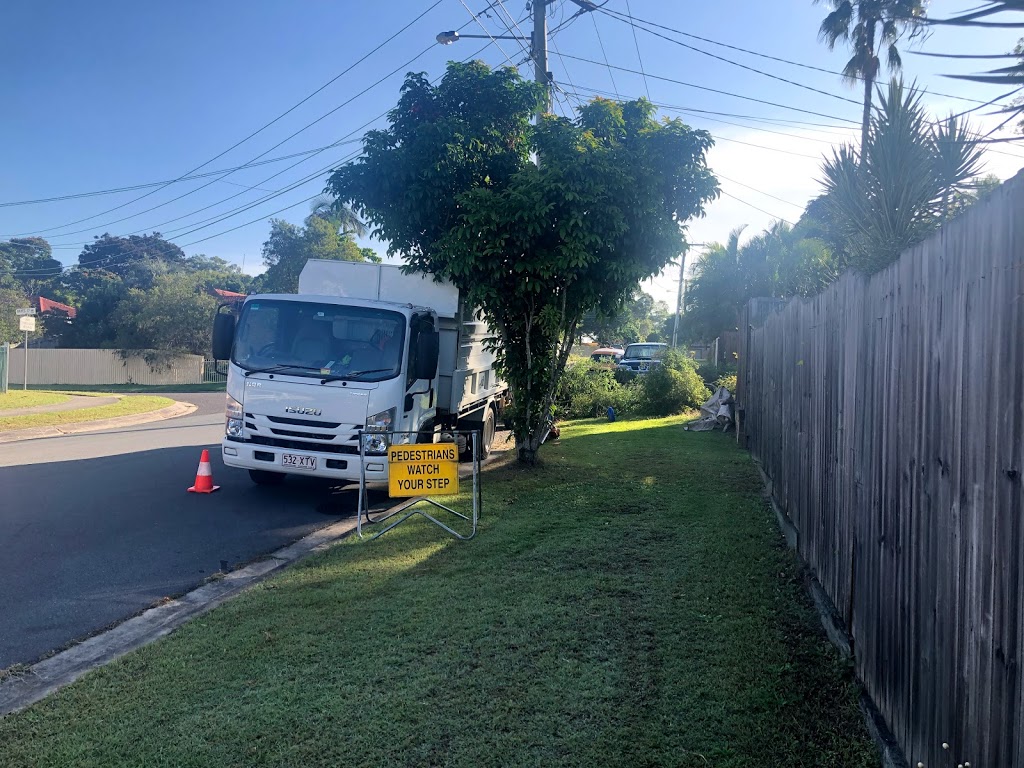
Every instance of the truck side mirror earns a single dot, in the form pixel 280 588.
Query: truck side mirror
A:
pixel 427 345
pixel 223 335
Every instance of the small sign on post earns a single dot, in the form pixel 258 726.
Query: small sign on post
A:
pixel 421 470
pixel 27 323
pixel 25 311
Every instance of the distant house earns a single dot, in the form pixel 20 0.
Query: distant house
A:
pixel 45 305
pixel 229 297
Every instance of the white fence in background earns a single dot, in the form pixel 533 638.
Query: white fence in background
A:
pixel 105 366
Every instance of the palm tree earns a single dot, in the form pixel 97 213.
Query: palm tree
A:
pixel 344 218
pixel 902 184
pixel 870 25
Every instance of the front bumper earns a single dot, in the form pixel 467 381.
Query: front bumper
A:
pixel 246 455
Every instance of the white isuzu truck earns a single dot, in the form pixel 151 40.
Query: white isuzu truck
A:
pixel 361 347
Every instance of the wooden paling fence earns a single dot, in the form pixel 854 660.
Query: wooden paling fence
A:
pixel 888 416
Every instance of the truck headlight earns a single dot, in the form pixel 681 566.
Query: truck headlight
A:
pixel 233 414
pixel 378 423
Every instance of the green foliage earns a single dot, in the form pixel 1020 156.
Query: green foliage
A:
pixel 905 182
pixel 672 387
pixel 586 389
pixel 779 262
pixel 718 376
pixel 451 186
pixel 176 314
pixel 10 300
pixel 639 319
pixel 869 26
pixel 25 263
pixel 137 259
pixel 290 246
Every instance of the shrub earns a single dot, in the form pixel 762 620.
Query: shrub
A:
pixel 585 390
pixel 718 376
pixel 672 387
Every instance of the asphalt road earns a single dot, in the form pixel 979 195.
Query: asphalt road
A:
pixel 96 527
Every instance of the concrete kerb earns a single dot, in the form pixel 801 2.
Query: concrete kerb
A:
pixel 168 412
pixel 40 680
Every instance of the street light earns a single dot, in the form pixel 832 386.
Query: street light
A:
pixel 451 36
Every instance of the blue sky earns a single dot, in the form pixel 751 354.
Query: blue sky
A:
pixel 115 93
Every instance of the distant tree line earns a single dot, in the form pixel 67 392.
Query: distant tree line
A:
pixel 144 292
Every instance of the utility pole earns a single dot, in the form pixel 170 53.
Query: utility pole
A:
pixel 679 300
pixel 681 291
pixel 540 53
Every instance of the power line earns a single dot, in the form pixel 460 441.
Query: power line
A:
pixel 638 56
pixel 69 267
pixel 759 191
pixel 605 55
pixel 115 190
pixel 283 141
pixel 750 52
pixel 762 210
pixel 715 90
pixel 251 135
pixel 631 21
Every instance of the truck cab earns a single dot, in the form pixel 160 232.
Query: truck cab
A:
pixel 308 372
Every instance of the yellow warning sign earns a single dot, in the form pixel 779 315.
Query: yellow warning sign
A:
pixel 423 470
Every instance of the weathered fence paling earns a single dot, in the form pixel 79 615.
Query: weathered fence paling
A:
pixel 888 414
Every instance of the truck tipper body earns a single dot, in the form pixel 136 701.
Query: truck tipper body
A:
pixel 360 348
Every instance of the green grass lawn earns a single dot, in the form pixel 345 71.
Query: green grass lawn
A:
pixel 126 406
pixel 18 398
pixel 630 603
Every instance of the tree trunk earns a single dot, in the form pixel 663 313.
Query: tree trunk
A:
pixel 871 71
pixel 866 118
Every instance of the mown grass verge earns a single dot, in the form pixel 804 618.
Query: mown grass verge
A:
pixel 628 603
pixel 18 398
pixel 126 406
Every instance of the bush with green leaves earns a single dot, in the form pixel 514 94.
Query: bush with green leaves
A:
pixel 716 376
pixel 586 390
pixel 672 387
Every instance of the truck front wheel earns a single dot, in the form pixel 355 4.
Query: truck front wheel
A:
pixel 262 477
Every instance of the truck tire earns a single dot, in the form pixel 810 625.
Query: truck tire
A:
pixel 262 477
pixel 487 433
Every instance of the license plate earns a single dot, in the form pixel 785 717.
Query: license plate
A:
pixel 293 461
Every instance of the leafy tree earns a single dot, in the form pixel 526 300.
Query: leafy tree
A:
pixel 290 246
pixel 137 259
pixel 343 217
pixel 779 262
pixel 10 300
pixel 176 314
pixel 903 184
pixel 451 185
pixel 26 264
pixel 640 319
pixel 869 26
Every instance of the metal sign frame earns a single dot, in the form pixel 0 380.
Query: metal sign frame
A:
pixel 407 507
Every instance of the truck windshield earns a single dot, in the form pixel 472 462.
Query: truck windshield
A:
pixel 644 351
pixel 300 338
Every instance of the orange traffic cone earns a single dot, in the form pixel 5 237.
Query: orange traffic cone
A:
pixel 204 476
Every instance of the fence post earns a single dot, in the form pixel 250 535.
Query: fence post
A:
pixel 5 354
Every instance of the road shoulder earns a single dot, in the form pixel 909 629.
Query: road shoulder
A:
pixel 172 411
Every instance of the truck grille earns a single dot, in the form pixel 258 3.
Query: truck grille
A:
pixel 299 445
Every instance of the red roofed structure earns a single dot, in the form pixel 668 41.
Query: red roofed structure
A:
pixel 221 293
pixel 45 305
